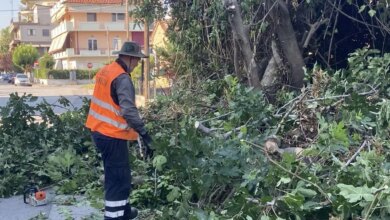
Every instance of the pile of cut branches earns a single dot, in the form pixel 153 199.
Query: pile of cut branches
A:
pixel 223 151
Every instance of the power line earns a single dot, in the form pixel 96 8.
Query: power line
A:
pixel 73 7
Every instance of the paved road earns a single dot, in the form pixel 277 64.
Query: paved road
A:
pixel 13 208
pixel 51 94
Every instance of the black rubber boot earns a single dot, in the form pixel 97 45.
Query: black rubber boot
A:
pixel 133 213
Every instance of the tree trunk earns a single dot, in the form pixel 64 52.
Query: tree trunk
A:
pixel 288 43
pixel 272 75
pixel 242 36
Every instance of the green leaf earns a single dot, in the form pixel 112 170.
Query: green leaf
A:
pixel 339 132
pixel 173 194
pixel 283 180
pixel 248 218
pixel 355 194
pixel 200 214
pixel 310 205
pixel 294 201
pixel 372 12
pixel 264 217
pixel 307 192
pixel 159 161
pixel 361 9
pixel 244 129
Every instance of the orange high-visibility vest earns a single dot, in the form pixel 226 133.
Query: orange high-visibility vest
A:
pixel 104 115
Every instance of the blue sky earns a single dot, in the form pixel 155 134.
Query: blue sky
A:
pixel 6 13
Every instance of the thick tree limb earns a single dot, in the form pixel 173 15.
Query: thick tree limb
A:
pixel 272 78
pixel 288 43
pixel 241 32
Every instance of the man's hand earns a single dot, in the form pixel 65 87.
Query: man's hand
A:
pixel 147 142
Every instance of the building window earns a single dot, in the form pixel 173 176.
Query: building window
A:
pixel 118 16
pixel 91 17
pixel 31 32
pixel 92 44
pixel 46 32
pixel 116 43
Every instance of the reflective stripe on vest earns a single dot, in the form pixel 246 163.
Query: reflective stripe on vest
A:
pixel 105 105
pixel 108 120
pixel 105 115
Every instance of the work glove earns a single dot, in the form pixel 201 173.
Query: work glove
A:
pixel 147 140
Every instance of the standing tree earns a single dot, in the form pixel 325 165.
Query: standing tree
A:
pixel 5 39
pixel 5 56
pixel 24 56
pixel 46 62
pixel 267 43
pixel 6 62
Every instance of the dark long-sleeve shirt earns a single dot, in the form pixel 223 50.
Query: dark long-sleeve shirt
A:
pixel 123 94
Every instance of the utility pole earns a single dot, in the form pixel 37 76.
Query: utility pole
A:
pixel 108 45
pixel 12 9
pixel 147 63
pixel 127 20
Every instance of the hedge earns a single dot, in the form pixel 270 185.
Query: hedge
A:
pixel 64 74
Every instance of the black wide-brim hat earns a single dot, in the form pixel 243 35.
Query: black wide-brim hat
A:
pixel 132 49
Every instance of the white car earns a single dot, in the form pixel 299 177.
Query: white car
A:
pixel 21 79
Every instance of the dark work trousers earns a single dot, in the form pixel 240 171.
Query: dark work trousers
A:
pixel 117 175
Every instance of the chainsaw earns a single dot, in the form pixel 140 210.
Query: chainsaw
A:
pixel 33 196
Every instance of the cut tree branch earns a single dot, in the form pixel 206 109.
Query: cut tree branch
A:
pixel 211 131
pixel 313 28
pixel 291 173
pixel 355 154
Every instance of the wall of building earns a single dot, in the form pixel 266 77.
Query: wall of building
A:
pixel 158 38
pixel 82 62
pixel 81 30
pixel 105 40
pixel 38 29
pixel 42 15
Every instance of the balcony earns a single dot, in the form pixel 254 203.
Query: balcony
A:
pixel 62 28
pixel 95 26
pixel 68 52
pixel 101 26
pixel 83 52
pixel 57 7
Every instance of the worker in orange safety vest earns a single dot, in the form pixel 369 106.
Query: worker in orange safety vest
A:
pixel 114 119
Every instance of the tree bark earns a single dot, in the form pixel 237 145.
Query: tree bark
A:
pixel 271 74
pixel 288 43
pixel 242 35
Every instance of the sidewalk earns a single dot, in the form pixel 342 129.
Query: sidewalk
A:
pixel 14 208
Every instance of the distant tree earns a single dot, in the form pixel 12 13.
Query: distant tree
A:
pixel 6 62
pixel 46 61
pixel 24 56
pixel 5 39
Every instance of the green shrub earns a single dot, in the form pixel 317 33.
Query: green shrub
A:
pixel 46 63
pixel 58 74
pixel 86 74
pixel 55 149
pixel 65 74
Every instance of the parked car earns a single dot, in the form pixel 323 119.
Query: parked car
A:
pixel 6 77
pixel 11 78
pixel 22 80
